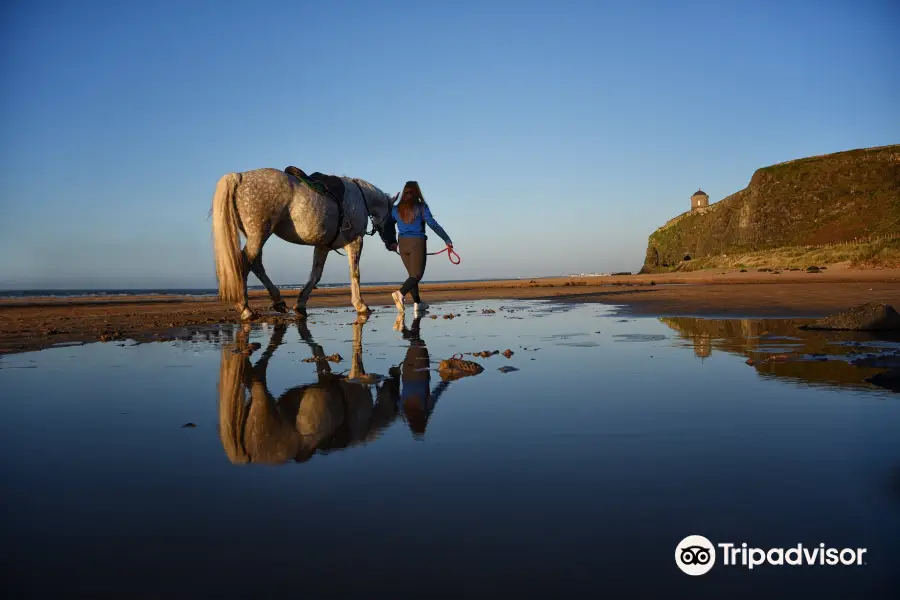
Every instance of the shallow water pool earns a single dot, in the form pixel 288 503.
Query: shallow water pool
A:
pixel 250 461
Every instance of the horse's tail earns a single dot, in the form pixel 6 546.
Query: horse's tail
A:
pixel 233 412
pixel 226 239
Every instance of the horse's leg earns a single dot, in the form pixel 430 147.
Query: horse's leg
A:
pixel 354 251
pixel 317 351
pixel 262 364
pixel 251 256
pixel 320 254
pixel 356 363
pixel 243 306
pixel 257 267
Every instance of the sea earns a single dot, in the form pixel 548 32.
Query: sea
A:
pixel 210 292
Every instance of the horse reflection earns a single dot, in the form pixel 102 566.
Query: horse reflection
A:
pixel 335 412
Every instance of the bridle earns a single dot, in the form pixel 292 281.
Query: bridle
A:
pixel 376 227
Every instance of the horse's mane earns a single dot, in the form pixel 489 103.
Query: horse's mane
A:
pixel 362 182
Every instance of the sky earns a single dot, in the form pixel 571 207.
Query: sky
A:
pixel 548 137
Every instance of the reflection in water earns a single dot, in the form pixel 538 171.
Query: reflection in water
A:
pixel 589 442
pixel 778 348
pixel 334 413
pixel 416 398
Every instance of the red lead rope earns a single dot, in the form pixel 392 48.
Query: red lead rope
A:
pixel 450 254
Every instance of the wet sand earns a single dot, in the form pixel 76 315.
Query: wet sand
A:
pixel 34 323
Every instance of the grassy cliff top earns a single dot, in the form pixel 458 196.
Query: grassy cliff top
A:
pixel 814 201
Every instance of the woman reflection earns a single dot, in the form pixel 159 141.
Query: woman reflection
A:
pixel 417 401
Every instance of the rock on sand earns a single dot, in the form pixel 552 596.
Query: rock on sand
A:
pixel 873 316
pixel 455 368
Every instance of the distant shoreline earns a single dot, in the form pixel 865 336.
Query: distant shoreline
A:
pixel 38 293
pixel 34 323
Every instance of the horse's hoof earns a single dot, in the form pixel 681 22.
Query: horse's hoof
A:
pixel 363 309
pixel 280 307
pixel 301 312
pixel 247 315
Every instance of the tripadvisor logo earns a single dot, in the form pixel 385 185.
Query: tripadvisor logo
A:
pixel 696 555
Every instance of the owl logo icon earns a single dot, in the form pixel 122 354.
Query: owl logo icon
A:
pixel 695 555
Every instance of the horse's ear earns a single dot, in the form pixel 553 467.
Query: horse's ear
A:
pixel 394 198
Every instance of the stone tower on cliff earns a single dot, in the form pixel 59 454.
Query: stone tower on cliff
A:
pixel 699 200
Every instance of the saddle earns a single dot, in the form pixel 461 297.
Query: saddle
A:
pixel 327 185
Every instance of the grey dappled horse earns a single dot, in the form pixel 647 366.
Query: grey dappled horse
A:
pixel 261 202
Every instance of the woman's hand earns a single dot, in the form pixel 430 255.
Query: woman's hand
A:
pixel 392 247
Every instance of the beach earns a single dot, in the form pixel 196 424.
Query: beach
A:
pixel 34 323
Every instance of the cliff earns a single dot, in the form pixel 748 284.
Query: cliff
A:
pixel 812 201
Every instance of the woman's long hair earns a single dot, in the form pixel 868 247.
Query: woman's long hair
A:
pixel 408 201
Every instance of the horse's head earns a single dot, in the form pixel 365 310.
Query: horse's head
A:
pixel 379 206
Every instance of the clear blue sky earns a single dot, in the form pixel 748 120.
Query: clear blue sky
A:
pixel 548 137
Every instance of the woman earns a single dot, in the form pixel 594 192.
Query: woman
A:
pixel 411 214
